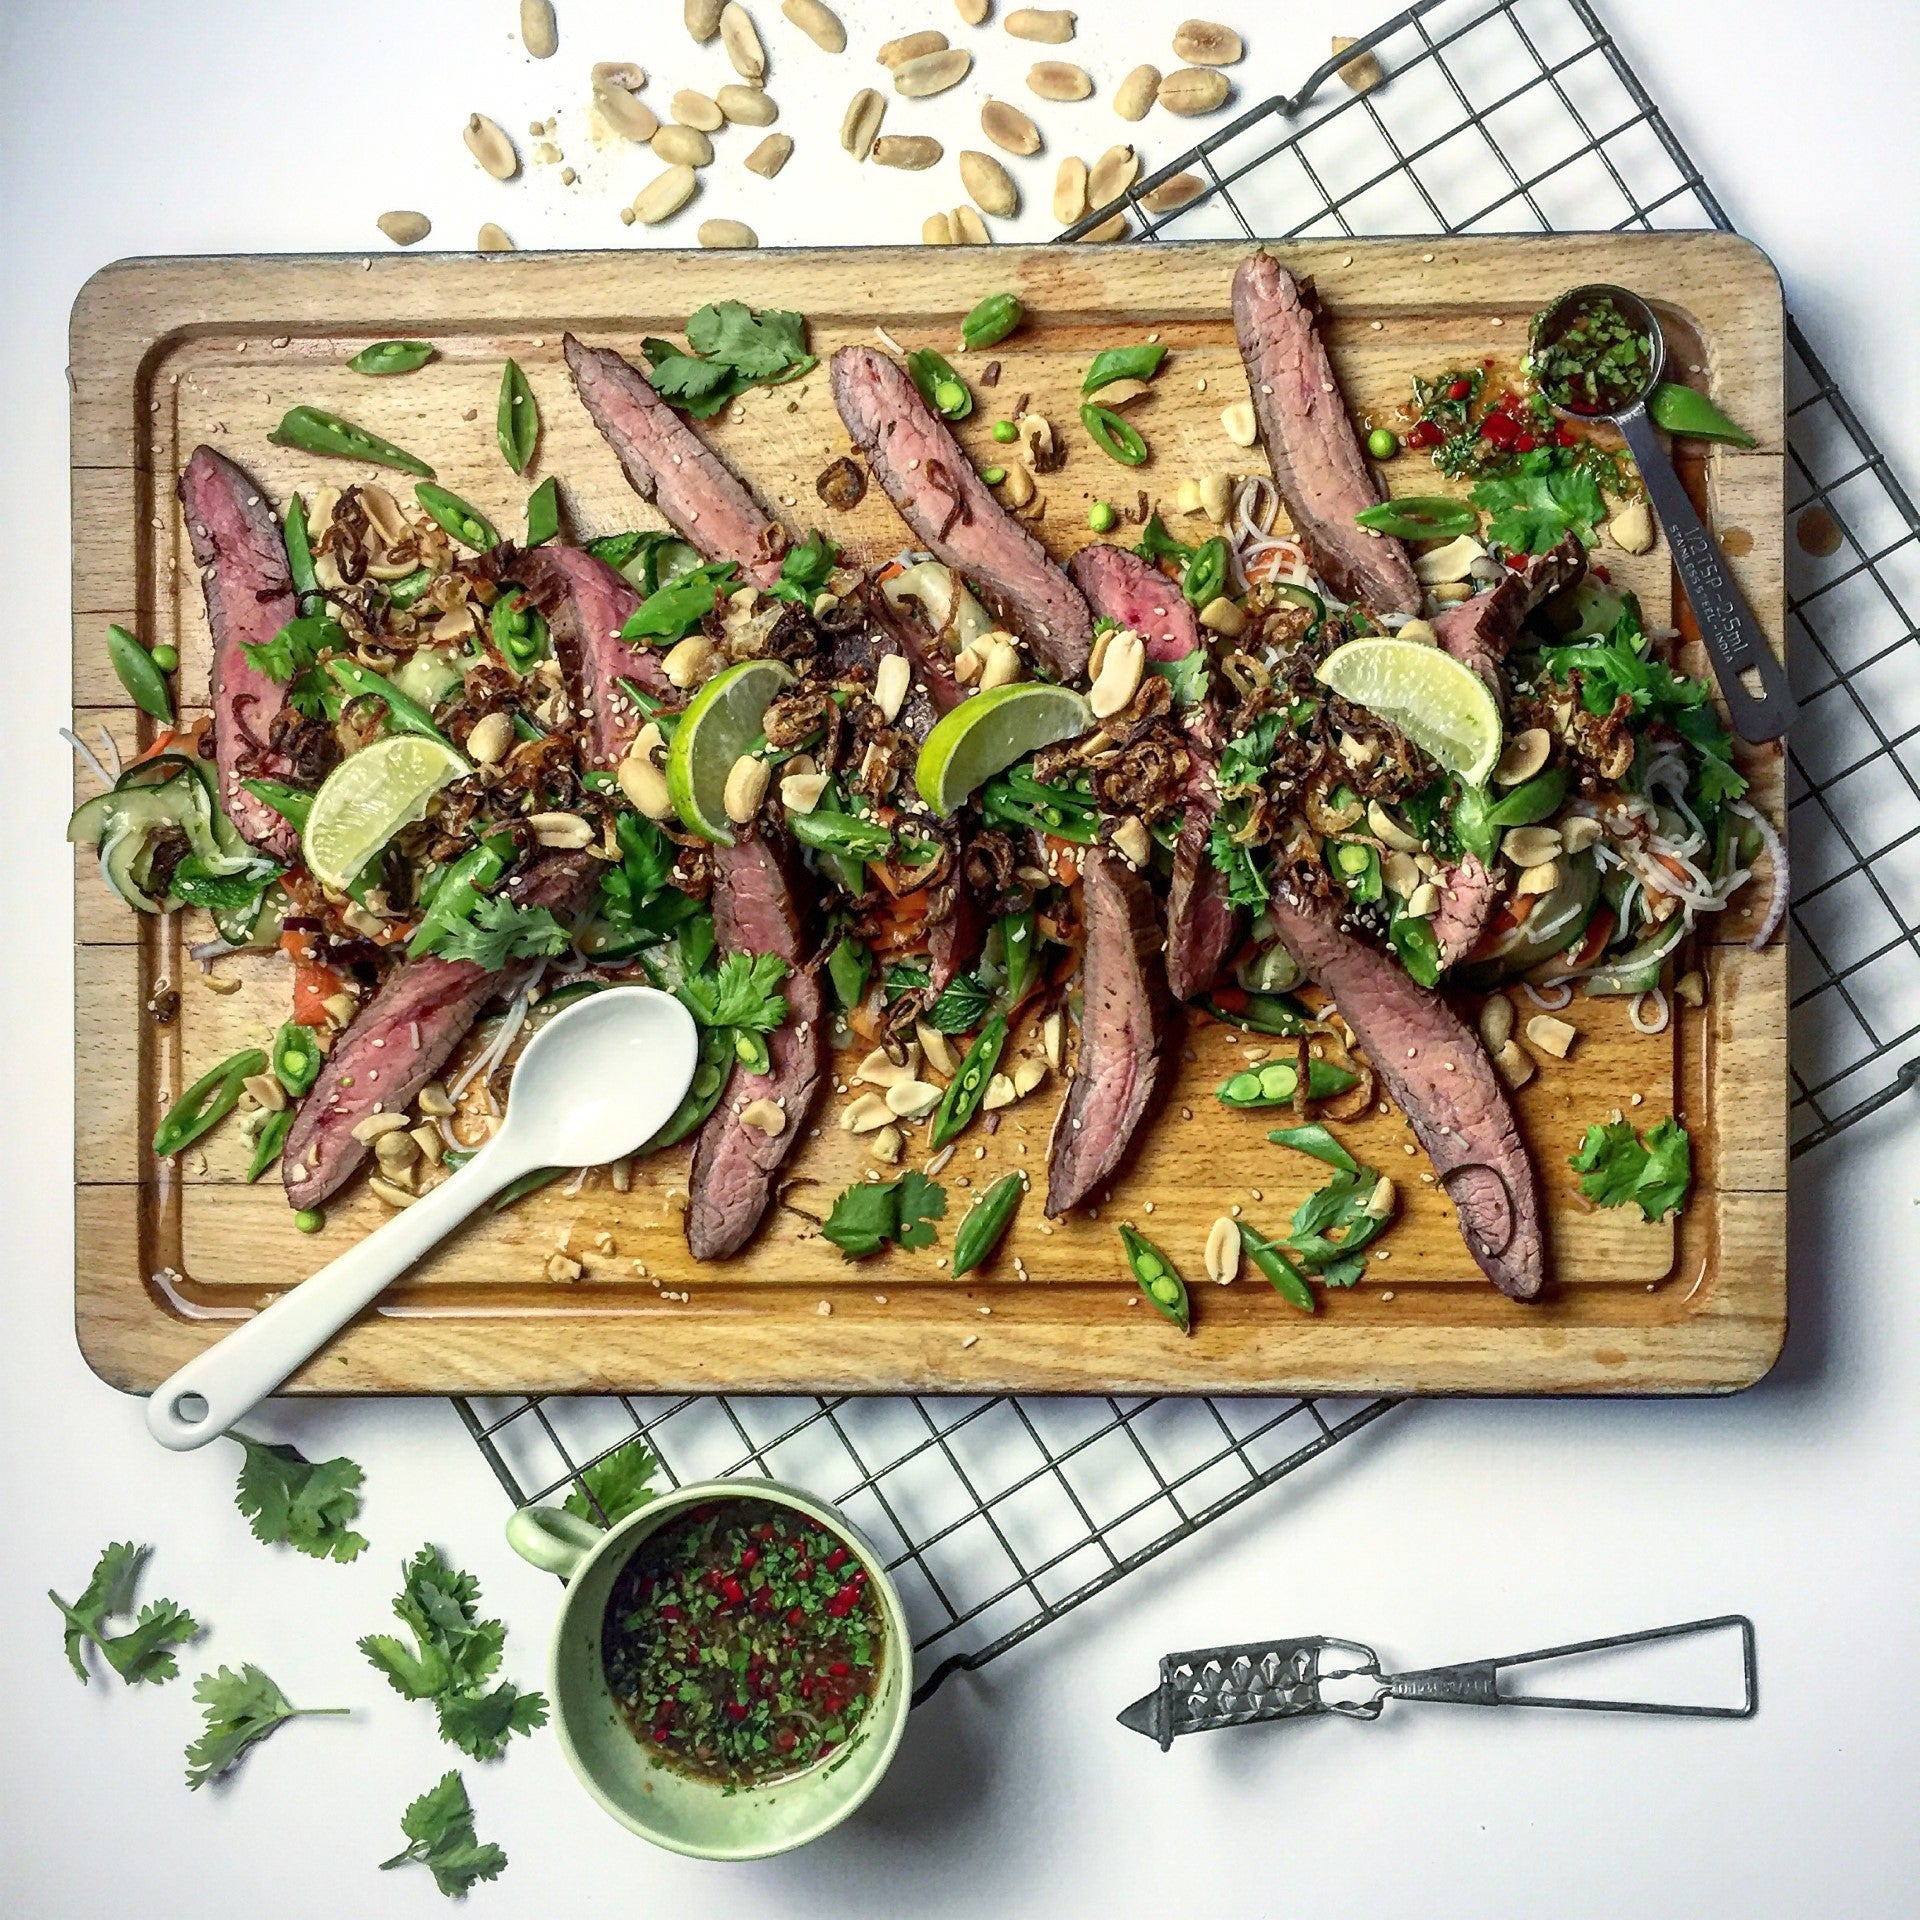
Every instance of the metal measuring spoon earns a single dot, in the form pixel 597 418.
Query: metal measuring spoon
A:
pixel 1732 634
pixel 600 1079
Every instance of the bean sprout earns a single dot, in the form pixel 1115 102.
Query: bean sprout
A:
pixel 1556 997
pixel 1661 1014
pixel 86 756
pixel 1777 858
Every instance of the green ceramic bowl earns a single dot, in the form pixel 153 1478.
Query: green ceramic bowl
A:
pixel 661 1803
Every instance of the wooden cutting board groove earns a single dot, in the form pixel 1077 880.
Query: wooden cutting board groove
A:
pixel 166 353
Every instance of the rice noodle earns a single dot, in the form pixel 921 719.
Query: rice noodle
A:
pixel 1662 1013
pixel 1776 851
pixel 482 1065
pixel 208 951
pixel 86 756
pixel 1562 996
pixel 112 749
pixel 579 1180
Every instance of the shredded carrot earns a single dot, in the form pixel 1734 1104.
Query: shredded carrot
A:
pixel 1593 942
pixel 313 986
pixel 163 743
pixel 1264 566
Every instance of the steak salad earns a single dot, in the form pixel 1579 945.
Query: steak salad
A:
pixel 1290 752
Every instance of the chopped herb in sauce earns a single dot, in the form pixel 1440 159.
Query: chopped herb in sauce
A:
pixel 743 1642
pixel 1595 361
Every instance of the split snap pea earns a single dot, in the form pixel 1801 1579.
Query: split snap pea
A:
pixel 986 1223
pixel 296 1058
pixel 519 630
pixel 849 967
pixel 450 512
pixel 1123 363
pixel 406 590
pixel 1286 1277
pixel 968 1088
pixel 207 1102
pixel 1275 1013
pixel 543 512
pixel 1420 517
pixel 1166 1292
pixel 404 714
pixel 1274 1084
pixel 391 356
pixel 940 386
pixel 1206 576
pixel 272 1137
pixel 991 321
pixel 843 833
pixel 517 422
pixel 312 430
pixel 139 672
pixel 1113 436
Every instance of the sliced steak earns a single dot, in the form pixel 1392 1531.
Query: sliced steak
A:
pixel 1479 632
pixel 1468 895
pixel 955 518
pixel 404 1035
pixel 1131 592
pixel 956 932
pixel 666 461
pixel 1323 476
pixel 237 541
pixel 1438 1074
pixel 933 690
pixel 1203 924
pixel 586 604
pixel 756 910
pixel 1123 1031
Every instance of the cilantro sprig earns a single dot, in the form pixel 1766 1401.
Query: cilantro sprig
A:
pixel 868 1215
pixel 732 349
pixel 1548 494
pixel 1618 1167
pixel 241 1710
pixel 740 992
pixel 499 932
pixel 440 1831
pixel 301 1503
pixel 144 1652
pixel 620 1484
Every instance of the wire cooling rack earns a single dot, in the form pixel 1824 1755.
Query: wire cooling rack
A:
pixel 998 1516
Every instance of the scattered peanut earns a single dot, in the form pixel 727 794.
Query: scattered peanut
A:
pixel 1222 1257
pixel 1070 191
pixel 493 239
pixel 932 73
pixel 1119 677
pixel 624 111
pixel 1552 1035
pixel 770 155
pixel 866 1114
pixel 742 41
pixel 1191 91
pixel 432 1148
pixel 1114 227
pixel 487 141
pixel 999 1093
pixel 434 1102
pixel 567 831
pixel 694 109
pixel 911 46
pixel 764 1116
pixel 641 777
pixel 388 1194
pixel 1028 1072
pixel 819 23
pixel 266 1090
pixel 538 30
pixel 1691 988
pixel 1132 841
pixel 1216 496
pixel 746 787
pixel 1424 901
pixel 1579 833
pixel 911 1099
pixel 404 229
pixel 989 184
pixel 1522 757
pixel 563 1267
pixel 1514 1064
pixel 1059 80
pixel 933 1044
pixel 1223 616
pixel 1496 1021
pixel 1008 128
pixel 396 1152
pixel 860 125
pixel 1238 423
pixel 890 677
pixel 1203 43
pixel 886 1145
pixel 1420 632
pixel 973 12
pixel 969 230
pixel 936 230
pixel 1454 561
pixel 1133 98
pixel 688 661
pixel 1529 846
pixel 1051 26
pixel 665 196
pixel 727 233
pixel 1536 881
pixel 880 1069
pixel 680 145
pixel 912 152
pixel 1380 1201
pixel 490 738
pixel 368 1130
pixel 746 106
pixel 1112 174
pixel 703 19
pixel 1362 73
pixel 1631 529
pixel 999 661
pixel 800 792
pixel 1053 1039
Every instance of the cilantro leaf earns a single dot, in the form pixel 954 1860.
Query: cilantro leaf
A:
pixel 1188 676
pixel 241 1709
pixel 1618 1166
pixel 1245 874
pixel 143 1652
pixel 413 1673
pixel 481 1724
pixel 758 347
pixel 296 648
pixel 869 1214
pixel 739 993
pixel 1549 494
pixel 439 1826
pixel 673 611
pixel 699 387
pixel 1157 544
pixel 806 570
pixel 620 1484
pixel 499 932
pixel 301 1503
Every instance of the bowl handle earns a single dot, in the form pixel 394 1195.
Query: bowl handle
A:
pixel 553 1540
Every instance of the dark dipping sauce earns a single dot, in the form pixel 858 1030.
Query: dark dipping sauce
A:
pixel 743 1642
pixel 1595 360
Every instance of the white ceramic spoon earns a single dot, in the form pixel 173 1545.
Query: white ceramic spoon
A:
pixel 600 1079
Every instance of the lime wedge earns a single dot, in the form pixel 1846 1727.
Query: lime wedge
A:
pixel 722 721
pixel 1444 708
pixel 988 733
pixel 368 798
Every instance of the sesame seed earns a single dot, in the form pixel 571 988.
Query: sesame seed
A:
pixel 972 1340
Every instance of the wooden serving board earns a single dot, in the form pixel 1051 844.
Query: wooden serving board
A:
pixel 166 353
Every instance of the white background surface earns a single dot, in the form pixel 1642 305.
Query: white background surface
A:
pixel 1449 1532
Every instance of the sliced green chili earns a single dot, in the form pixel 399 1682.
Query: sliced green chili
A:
pixel 1123 363
pixel 296 1058
pixel 517 422
pixel 991 321
pixel 968 1088
pixel 292 804
pixel 1420 517
pixel 391 356
pixel 146 685
pixel 271 1138
pixel 519 629
pixel 410 587
pixel 449 511
pixel 1686 410
pixel 404 714
pixel 1318 1142
pixel 849 968
pixel 543 512
pixel 1273 1084
pixel 207 1102
pixel 940 387
pixel 300 555
pixel 310 430
pixel 1206 576
pixel 1166 1292
pixel 1113 436
pixel 1287 1279
pixel 986 1223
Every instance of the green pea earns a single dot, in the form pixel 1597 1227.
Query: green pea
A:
pixel 993 475
pixel 166 658
pixel 1164 1288
pixel 1005 432
pixel 1101 517
pixel 309 1219
pixel 1383 443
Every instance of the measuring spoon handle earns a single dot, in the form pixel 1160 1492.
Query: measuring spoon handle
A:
pixel 1732 634
pixel 226 1382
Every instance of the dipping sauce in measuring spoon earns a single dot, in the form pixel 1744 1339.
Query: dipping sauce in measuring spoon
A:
pixel 1594 360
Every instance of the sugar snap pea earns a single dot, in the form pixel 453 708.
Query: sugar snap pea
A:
pixel 392 356
pixel 447 510
pixel 1420 517
pixel 1113 436
pixel 849 967
pixel 847 834
pixel 517 421
pixel 268 1142
pixel 296 1058
pixel 1273 1084
pixel 1276 1013
pixel 519 629
pixel 991 321
pixel 300 555
pixel 312 430
pixel 406 715
pixel 1166 1292
pixel 207 1102
pixel 986 1223
pixel 292 804
pixel 1206 576
pixel 140 674
pixel 1287 1279
pixel 968 1088
pixel 1123 363
pixel 543 512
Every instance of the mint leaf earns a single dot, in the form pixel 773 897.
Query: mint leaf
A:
pixel 673 611
pixel 806 570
